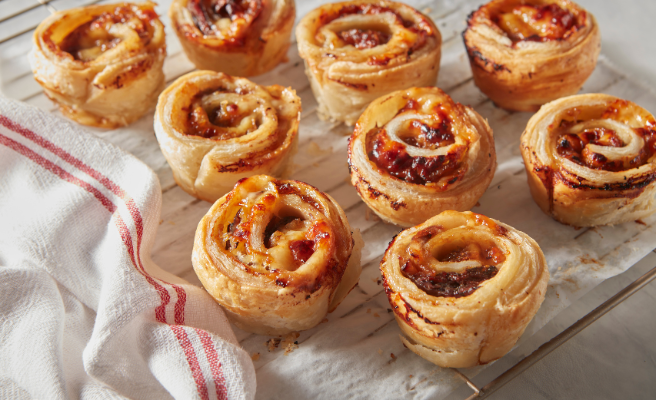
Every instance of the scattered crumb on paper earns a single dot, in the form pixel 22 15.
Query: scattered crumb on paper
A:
pixel 289 343
pixel 272 344
pixel 255 357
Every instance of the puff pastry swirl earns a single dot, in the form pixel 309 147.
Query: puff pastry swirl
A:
pixel 415 153
pixel 357 51
pixel 591 160
pixel 526 53
pixel 101 64
pixel 238 37
pixel 215 129
pixel 463 287
pixel 277 255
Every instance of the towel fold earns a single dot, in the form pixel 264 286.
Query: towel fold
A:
pixel 84 312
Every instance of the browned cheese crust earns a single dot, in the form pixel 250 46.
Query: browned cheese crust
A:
pixel 215 129
pixel 357 51
pixel 415 153
pixel 591 160
pixel 526 53
pixel 276 254
pixel 238 37
pixel 101 64
pixel 463 287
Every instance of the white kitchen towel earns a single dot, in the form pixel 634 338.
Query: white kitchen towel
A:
pixel 84 312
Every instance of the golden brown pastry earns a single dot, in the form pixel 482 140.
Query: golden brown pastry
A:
pixel 463 287
pixel 277 255
pixel 101 64
pixel 591 160
pixel 238 37
pixel 357 51
pixel 215 129
pixel 525 53
pixel 415 153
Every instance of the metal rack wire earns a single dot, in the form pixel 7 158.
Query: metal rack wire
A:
pixel 13 10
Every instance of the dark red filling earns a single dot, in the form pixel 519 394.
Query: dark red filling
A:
pixel 210 124
pixel 364 39
pixel 456 284
pixel 393 158
pixel 431 137
pixel 301 250
pixel 572 147
pixel 205 12
pixel 450 284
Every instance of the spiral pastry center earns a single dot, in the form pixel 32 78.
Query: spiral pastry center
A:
pixel 279 228
pixel 454 265
pixel 92 39
pixel 228 18
pixel 605 144
pixel 225 115
pixel 363 39
pixel 377 32
pixel 526 22
pixel 420 148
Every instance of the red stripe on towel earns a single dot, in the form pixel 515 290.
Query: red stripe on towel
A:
pixel 215 364
pixel 190 353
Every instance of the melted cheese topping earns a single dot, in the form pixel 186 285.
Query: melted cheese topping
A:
pixel 537 23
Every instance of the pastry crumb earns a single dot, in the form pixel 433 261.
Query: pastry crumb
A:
pixel 255 357
pixel 323 321
pixel 427 10
pixel 368 310
pixel 380 352
pixel 291 347
pixel 393 358
pixel 314 150
pixel 376 315
pixel 272 344
pixel 289 343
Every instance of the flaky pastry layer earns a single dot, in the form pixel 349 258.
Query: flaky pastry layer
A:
pixel 463 287
pixel 238 37
pixel 521 70
pixel 357 51
pixel 415 153
pixel 277 255
pixel 591 160
pixel 215 129
pixel 101 64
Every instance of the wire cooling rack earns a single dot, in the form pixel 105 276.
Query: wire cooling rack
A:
pixel 18 19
